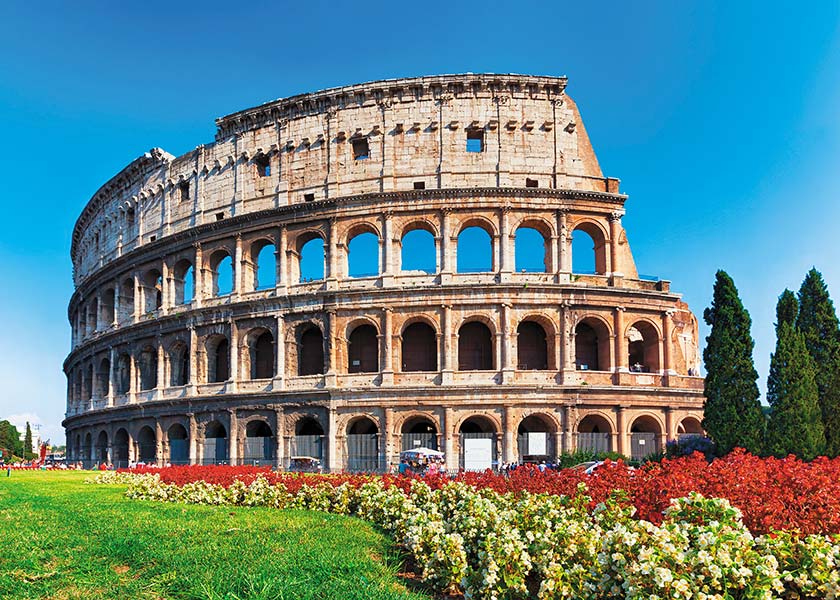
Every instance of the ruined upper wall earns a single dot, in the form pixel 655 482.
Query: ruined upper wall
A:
pixel 306 148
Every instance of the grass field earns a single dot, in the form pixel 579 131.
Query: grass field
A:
pixel 64 539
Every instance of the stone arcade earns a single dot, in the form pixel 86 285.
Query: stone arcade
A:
pixel 175 359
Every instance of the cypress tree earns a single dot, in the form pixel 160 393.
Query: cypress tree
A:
pixel 795 425
pixel 27 443
pixel 732 412
pixel 817 321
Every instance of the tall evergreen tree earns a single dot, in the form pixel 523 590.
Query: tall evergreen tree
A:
pixel 795 425
pixel 732 411
pixel 27 443
pixel 818 323
pixel 9 438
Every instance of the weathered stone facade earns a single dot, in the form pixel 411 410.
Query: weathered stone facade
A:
pixel 356 368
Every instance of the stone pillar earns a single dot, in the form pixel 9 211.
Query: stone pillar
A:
pixel 445 242
pixel 280 355
pixel 386 435
pixel 161 368
pixel 446 347
pixel 567 345
pixel 615 233
pixel 112 376
pixel 621 434
pixel 568 431
pixel 448 439
pixel 233 438
pixel 332 258
pixel 132 378
pixel 332 442
pixel 667 350
pixel 279 431
pixel 564 262
pixel 159 454
pixel 193 443
pixel 508 366
pixel 193 374
pixel 510 447
pixel 620 353
pixel 116 320
pixel 281 262
pixel 387 366
pixel 138 298
pixel 331 378
pixel 165 288
pixel 198 277
pixel 234 355
pixel 670 425
pixel 237 267
pixel 387 270
pixel 506 258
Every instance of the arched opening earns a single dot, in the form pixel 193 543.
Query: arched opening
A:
pixel 179 451
pixel 261 355
pixel 179 365
pixel 218 359
pixel 592 345
pixel 589 255
pixel 475 347
pixel 418 252
pixel 478 444
pixel 152 290
pixel 419 348
pixel 123 374
pixel 531 347
pixel 183 276
pixel 644 437
pixel 535 439
pixel 311 352
pixel 363 255
pixel 146 446
pixel 419 432
pixel 259 443
pixel 102 448
pixel 475 250
pixel 108 308
pixel 594 433
pixel 215 444
pixel 531 251
pixel 121 441
pixel 312 259
pixel 264 259
pixel 363 350
pixel 221 267
pixel 308 439
pixel 147 364
pixel 362 446
pixel 87 451
pixel 126 304
pixel 643 348
pixel 690 427
pixel 103 378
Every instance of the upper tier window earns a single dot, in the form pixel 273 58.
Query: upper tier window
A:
pixel 475 140
pixel 361 149
pixel 184 190
pixel 263 164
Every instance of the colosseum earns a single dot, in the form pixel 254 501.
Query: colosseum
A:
pixel 350 273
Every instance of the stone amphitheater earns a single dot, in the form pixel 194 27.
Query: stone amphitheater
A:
pixel 222 312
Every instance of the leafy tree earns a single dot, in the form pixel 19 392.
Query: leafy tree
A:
pixel 732 411
pixel 795 425
pixel 27 443
pixel 818 323
pixel 9 439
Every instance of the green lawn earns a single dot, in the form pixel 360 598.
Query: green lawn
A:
pixel 64 539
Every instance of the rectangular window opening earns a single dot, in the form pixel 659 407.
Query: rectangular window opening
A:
pixel 475 140
pixel 220 216
pixel 152 238
pixel 184 190
pixel 309 197
pixel 263 163
pixel 361 149
pixel 531 182
pixel 419 185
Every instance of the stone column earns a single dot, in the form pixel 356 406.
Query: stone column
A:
pixel 279 431
pixel 112 375
pixel 670 425
pixel 621 434
pixel 505 266
pixel 508 366
pixel 445 242
pixel 387 255
pixel 331 378
pixel 567 345
pixel 448 439
pixel 387 366
pixel 193 374
pixel 667 350
pixel 620 353
pixel 280 355
pixel 233 438
pixel 280 260
pixel 615 233
pixel 564 263
pixel 116 320
pixel 446 346
pixel 568 431
pixel 159 454
pixel 161 369
pixel 234 355
pixel 332 258
pixel 198 277
pixel 165 288
pixel 138 298
pixel 510 449
pixel 132 378
pixel 386 435
pixel 332 442
pixel 237 267
pixel 193 443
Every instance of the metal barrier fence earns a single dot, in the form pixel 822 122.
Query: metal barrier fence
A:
pixel 643 444
pixel 596 442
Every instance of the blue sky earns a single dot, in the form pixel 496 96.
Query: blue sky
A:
pixel 722 119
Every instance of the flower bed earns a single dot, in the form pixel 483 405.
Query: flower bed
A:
pixel 518 544
pixel 772 494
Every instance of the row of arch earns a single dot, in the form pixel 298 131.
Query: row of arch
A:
pixel 181 282
pixel 362 445
pixel 419 350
